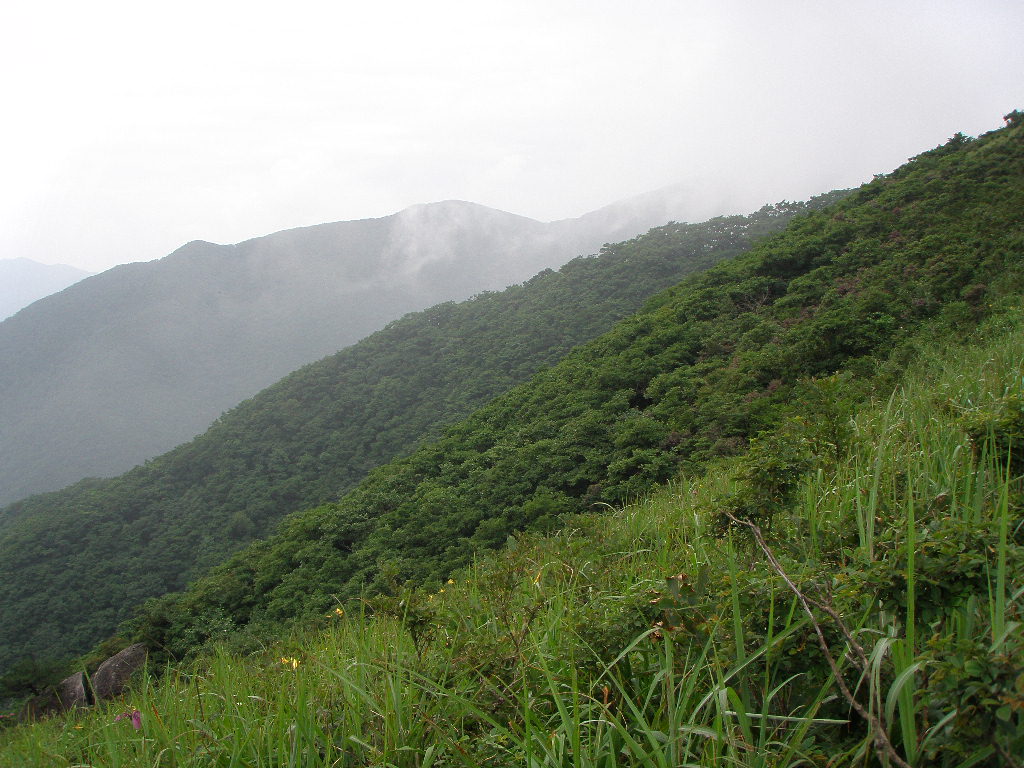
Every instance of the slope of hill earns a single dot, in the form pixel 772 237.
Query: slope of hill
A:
pixel 652 636
pixel 94 551
pixel 23 281
pixel 696 374
pixel 129 363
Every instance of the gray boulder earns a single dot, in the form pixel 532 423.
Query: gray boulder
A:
pixel 71 691
pixel 67 694
pixel 111 678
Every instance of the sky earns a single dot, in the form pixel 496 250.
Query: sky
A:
pixel 132 128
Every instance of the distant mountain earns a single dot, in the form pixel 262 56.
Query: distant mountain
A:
pixel 131 362
pixel 23 281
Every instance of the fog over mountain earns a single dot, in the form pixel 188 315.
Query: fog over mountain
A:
pixel 128 363
pixel 23 281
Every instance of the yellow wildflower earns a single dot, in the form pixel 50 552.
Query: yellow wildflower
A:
pixel 451 581
pixel 293 663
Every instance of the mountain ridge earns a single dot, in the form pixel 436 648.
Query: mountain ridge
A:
pixel 128 363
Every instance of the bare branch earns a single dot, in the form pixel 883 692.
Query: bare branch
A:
pixel 879 734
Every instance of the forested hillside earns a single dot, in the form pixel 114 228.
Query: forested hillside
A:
pixel 76 562
pixel 701 370
pixel 127 364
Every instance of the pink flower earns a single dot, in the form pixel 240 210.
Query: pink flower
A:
pixel 135 716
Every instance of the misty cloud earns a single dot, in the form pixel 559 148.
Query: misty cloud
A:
pixel 225 122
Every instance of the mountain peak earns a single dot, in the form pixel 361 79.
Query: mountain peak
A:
pixel 456 208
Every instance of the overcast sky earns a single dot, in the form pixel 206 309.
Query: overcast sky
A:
pixel 130 128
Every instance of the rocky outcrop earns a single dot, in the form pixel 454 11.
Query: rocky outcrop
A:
pixel 110 681
pixel 111 678
pixel 71 691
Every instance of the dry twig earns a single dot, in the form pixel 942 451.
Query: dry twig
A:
pixel 879 734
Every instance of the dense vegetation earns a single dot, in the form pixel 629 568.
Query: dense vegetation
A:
pixel 74 563
pixel 658 637
pixel 694 376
